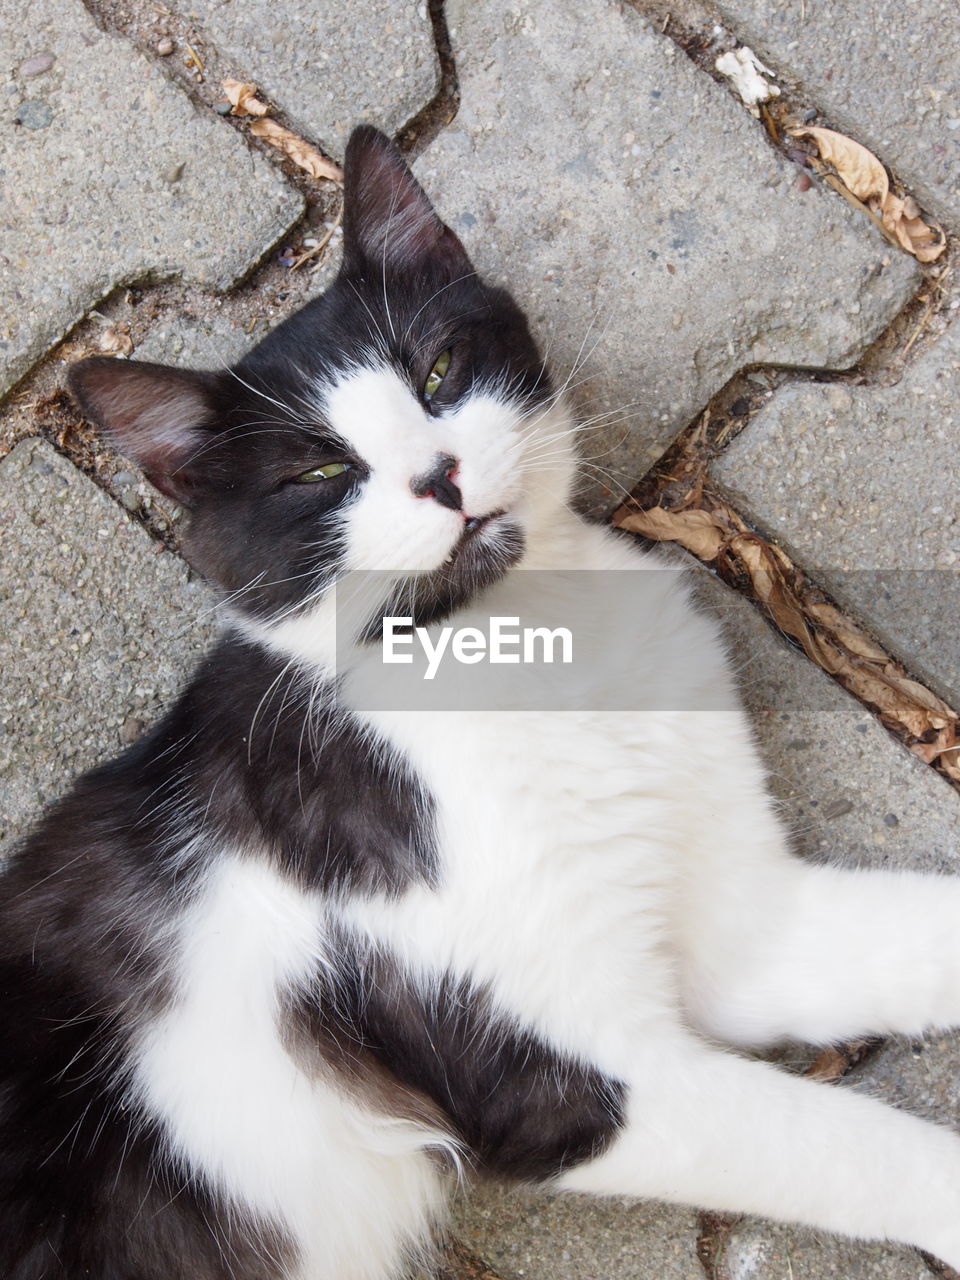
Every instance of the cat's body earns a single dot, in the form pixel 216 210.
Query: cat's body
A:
pixel 276 978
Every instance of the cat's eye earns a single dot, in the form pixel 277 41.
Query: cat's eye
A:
pixel 326 472
pixel 436 375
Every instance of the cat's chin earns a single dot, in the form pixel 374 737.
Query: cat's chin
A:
pixel 484 553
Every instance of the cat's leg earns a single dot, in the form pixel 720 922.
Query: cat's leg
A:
pixel 779 948
pixel 709 1129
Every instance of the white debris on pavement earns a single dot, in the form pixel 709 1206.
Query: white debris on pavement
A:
pixel 746 71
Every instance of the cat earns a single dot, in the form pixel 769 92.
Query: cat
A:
pixel 280 976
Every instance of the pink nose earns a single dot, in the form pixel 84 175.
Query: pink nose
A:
pixel 438 483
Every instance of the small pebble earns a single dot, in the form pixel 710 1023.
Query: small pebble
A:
pixel 803 182
pixel 165 47
pixel 174 173
pixel 131 729
pixel 809 115
pixel 33 114
pixel 37 65
pixel 891 820
pixel 223 108
pixel 836 809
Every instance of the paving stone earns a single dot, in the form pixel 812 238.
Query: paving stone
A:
pixel 920 1076
pixel 109 174
pixel 642 217
pixel 887 73
pixel 860 485
pixel 328 73
pixel 531 1235
pixel 848 791
pixel 194 342
pixel 97 630
pixel 767 1251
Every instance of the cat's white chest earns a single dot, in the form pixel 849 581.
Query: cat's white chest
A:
pixel 555 871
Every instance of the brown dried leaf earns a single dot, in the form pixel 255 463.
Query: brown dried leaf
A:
pixel 694 529
pixel 243 99
pixel 859 168
pixel 301 153
pixel 929 241
pixel 115 340
pixel 828 638
pixel 865 176
pixel 847 634
pixel 939 712
pixel 833 1063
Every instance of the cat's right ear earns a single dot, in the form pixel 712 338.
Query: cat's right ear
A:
pixel 156 416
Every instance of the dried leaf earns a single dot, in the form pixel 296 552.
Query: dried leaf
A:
pixel 859 168
pixel 926 723
pixel 864 175
pixel 850 637
pixel 115 340
pixel 745 71
pixel 243 99
pixel 301 153
pixel 833 1063
pixel 694 529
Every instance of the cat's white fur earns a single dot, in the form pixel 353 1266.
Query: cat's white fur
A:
pixel 619 882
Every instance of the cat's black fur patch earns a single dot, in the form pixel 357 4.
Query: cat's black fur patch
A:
pixel 520 1108
pixel 84 1191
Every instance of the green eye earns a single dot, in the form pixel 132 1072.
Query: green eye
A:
pixel 326 472
pixel 436 375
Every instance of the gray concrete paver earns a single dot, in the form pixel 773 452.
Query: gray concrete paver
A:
pixel 533 1235
pixel 887 73
pixel 190 342
pixel 642 217
pixel 860 485
pixel 768 1251
pixel 327 74
pixel 108 174
pixel 920 1076
pixel 97 630
pixel 849 793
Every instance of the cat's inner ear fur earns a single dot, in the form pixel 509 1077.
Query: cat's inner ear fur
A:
pixel 389 225
pixel 156 416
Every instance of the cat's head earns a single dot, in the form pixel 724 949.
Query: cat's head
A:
pixel 402 422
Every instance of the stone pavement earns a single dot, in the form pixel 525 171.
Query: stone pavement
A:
pixel 672 259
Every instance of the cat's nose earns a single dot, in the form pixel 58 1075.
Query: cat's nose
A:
pixel 438 483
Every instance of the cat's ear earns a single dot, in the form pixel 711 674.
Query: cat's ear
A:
pixel 156 416
pixel 388 222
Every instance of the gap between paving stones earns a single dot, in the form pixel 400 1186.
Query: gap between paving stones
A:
pixel 700 31
pixel 678 481
pixel 37 405
pixel 678 502
pixel 195 64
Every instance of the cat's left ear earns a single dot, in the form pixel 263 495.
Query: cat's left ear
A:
pixel 155 415
pixel 388 222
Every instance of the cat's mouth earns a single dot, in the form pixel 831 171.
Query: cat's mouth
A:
pixel 488 547
pixel 475 525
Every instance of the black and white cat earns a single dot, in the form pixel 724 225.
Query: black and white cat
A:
pixel 273 980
